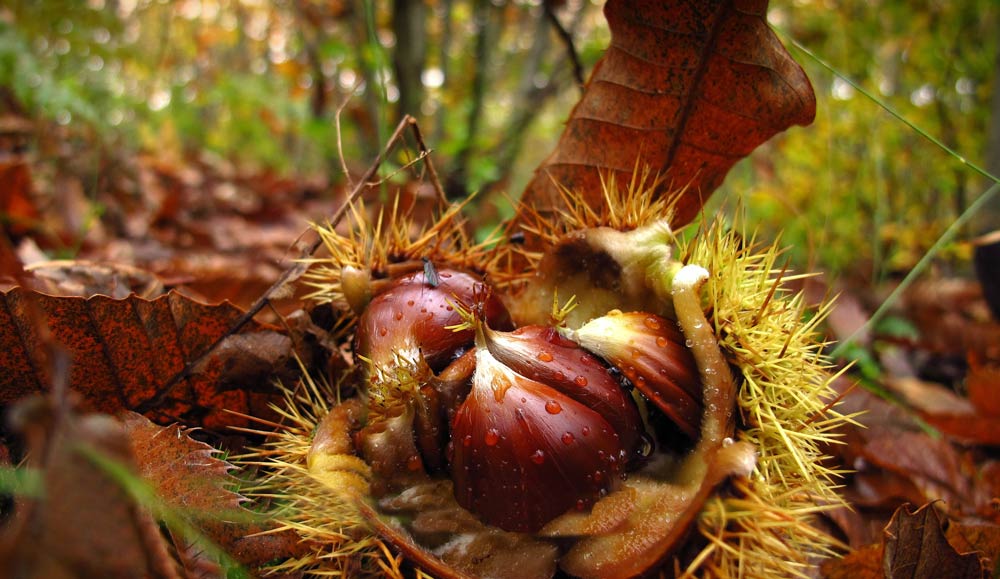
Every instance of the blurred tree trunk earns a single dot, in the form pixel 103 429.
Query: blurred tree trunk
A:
pixel 487 31
pixel 989 218
pixel 409 23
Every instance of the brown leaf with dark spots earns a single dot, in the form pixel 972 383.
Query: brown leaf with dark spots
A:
pixel 916 548
pixel 688 87
pixel 126 352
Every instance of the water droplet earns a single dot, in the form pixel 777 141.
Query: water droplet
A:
pixel 553 407
pixel 652 323
pixel 598 476
pixel 538 457
pixel 661 341
pixel 449 308
pixel 585 431
pixel 467 440
pixel 689 343
pixel 580 504
pixel 398 316
pixel 413 463
pixel 383 331
pixel 410 303
pixel 492 437
pixel 580 381
pixel 559 376
pixel 647 445
pixel 568 438
pixel 544 356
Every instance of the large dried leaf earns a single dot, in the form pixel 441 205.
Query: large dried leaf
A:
pixel 126 352
pixel 690 87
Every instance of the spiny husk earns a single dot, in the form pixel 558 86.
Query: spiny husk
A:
pixel 394 242
pixel 785 406
pixel 625 208
pixel 342 544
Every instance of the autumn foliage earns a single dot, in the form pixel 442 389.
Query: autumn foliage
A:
pixel 124 383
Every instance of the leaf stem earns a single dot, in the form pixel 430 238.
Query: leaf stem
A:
pixel 920 266
pixel 888 108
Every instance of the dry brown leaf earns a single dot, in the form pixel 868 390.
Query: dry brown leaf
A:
pixel 690 87
pixel 864 563
pixel 983 538
pixel 916 548
pixel 86 524
pixel 125 353
pixel 190 478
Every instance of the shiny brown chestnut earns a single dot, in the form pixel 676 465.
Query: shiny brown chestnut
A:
pixel 412 316
pixel 523 452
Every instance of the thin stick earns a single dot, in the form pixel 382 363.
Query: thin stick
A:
pixel 567 39
pixel 291 274
pixel 425 152
pixel 336 124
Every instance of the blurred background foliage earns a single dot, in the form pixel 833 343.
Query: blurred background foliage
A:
pixel 263 84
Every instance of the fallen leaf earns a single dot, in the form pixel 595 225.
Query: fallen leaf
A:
pixel 863 563
pixel 17 208
pixel 983 384
pixel 688 87
pixel 916 548
pixel 87 524
pixel 190 478
pixel 981 537
pixel 125 354
pixel 974 420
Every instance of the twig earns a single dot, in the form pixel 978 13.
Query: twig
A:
pixel 425 152
pixel 336 124
pixel 291 274
pixel 567 39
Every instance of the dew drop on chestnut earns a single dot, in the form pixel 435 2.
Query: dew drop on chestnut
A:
pixel 383 331
pixel 492 437
pixel 652 323
pixel 538 457
pixel 398 316
pixel 661 341
pixel 580 381
pixel 544 356
pixel 568 438
pixel 553 407
pixel 585 431
pixel 467 440
pixel 413 463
